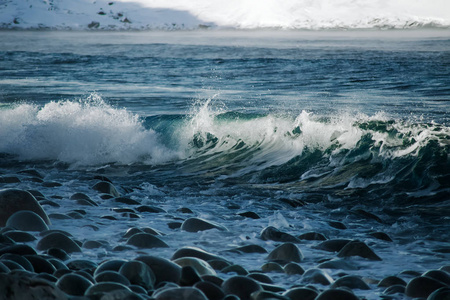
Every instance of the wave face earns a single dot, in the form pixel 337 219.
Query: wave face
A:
pixel 242 14
pixel 303 151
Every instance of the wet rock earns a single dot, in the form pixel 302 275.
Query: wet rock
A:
pixel 112 276
pixel 260 277
pixel 150 209
pixel 197 224
pixel 122 295
pixel 303 293
pixel 93 245
pixel 58 240
pixel 40 265
pixel 241 286
pixel 394 289
pixel 163 269
pixel 263 295
pixel 20 249
pixel 440 294
pixel 102 288
pixel 73 284
pixel 12 265
pixel 106 187
pixel 189 276
pixel 249 249
pixel 182 293
pixel 337 225
pixel 31 172
pixel 132 231
pixel 286 252
pixel 317 276
pixel 249 214
pixel 138 273
pixel 17 286
pixel 391 280
pixel 293 269
pixel 110 265
pixel 4 268
pixel 334 245
pixel 341 264
pixel 357 248
pixel 199 265
pixel 126 200
pixel 195 252
pixel 20 236
pixel 185 210
pixel 211 290
pixel 366 214
pixel 21 260
pixel 440 275
pixel 422 287
pixel 174 225
pixel 9 179
pixel 381 236
pixel 58 253
pixel 14 200
pixel 336 294
pixel 351 282
pixel 272 267
pixel 219 264
pixel 83 199
pixel 270 233
pixel 146 240
pixel 312 236
pixel 58 264
pixel 237 269
pixel 81 265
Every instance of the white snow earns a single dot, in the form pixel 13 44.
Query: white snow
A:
pixel 239 14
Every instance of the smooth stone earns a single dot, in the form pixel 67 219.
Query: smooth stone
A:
pixel 391 280
pixel 199 265
pixel 440 294
pixel 150 209
pixel 351 282
pixel 336 294
pixel 249 249
pixel 20 259
pixel 237 269
pixel 270 233
pixel 23 286
pixel 267 295
pixel 440 275
pixel 31 172
pixel 83 199
pixel 366 214
pixel 260 277
pixel 112 276
pixel 337 225
pixel 9 179
pixel 146 240
pixel 12 265
pixel 340 264
pixel 195 252
pixel 185 210
pixel 4 268
pixel 104 287
pixel 189 276
pixel 422 287
pixel 27 221
pixel 197 224
pixel 47 277
pixel 272 267
pixel 241 286
pixel 286 252
pixel 272 288
pixel 181 293
pixel 93 245
pixel 218 264
pixel 211 290
pixel 151 231
pixel 249 214
pixel 138 273
pixel 73 284
pixel 317 276
pixel 312 236
pixel 302 293
pixel 86 275
pixel 110 265
pixel 293 269
pixel 58 253
pixel 163 269
pixel 132 231
pixel 58 240
pixel 4 240
pixel 51 184
pixel 49 203
pixel 138 289
pixel 381 236
pixel 357 248
pixel 174 225
pixel 20 249
pixel 122 295
pixel 126 200
pixel 81 264
pixel 40 264
pixel 106 187
pixel 14 200
pixel 20 236
pixel 394 289
pixel 58 264
pixel 334 245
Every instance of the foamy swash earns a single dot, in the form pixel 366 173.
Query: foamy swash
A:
pixel 247 14
pixel 355 151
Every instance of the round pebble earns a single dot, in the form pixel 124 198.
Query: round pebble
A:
pixel 241 286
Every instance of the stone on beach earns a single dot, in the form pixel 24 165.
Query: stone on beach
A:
pixel 241 286
pixel 73 284
pixel 58 240
pixel 182 293
pixel 199 265
pixel 163 269
pixel 106 187
pixel 146 240
pixel 13 200
pixel 138 273
pixel 26 220
pixel 422 287
pixel 357 248
pixel 270 233
pixel 197 224
pixel 287 252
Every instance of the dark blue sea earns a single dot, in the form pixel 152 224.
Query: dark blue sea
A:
pixel 302 127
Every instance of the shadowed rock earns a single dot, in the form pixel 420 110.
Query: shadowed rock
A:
pixel 381 236
pixel 112 276
pixel 270 233
pixel 248 249
pixel 286 252
pixel 26 220
pixel 317 276
pixel 211 290
pixel 197 224
pixel 312 236
pixel 58 240
pixel 110 265
pixel 341 264
pixel 391 280
pixel 73 284
pixel 19 236
pixel 422 287
pixel 106 188
pixel 146 240
pixel 351 282
pixel 303 293
pixel 101 288
pixel 196 252
pixel 163 269
pixel 138 273
pixel 17 286
pixel 13 200
pixel 181 293
pixel 357 248
pixel 332 245
pixel 336 294
pixel 241 286
pixel 199 265
pixel 293 269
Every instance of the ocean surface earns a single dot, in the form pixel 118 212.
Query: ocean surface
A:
pixel 228 121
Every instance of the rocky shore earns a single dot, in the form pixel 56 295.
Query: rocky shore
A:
pixel 42 258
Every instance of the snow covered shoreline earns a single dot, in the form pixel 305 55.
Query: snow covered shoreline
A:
pixel 201 14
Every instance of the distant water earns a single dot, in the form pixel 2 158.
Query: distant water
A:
pixel 343 118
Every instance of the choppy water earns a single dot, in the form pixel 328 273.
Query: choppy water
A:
pixel 340 120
